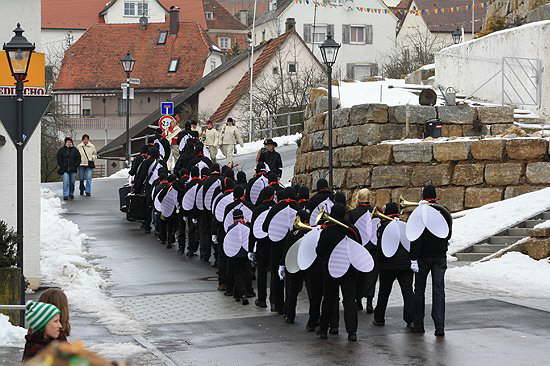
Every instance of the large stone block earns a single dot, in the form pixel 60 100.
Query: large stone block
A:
pixel 339 176
pixel 452 151
pixel 500 129
pixel 319 159
pixel 526 149
pixel 503 174
pixel 513 191
pixel 411 113
pixel 538 248
pixel 451 130
pixel 377 154
pixel 390 176
pixel 438 175
pixel 373 133
pixel 305 144
pixel 460 114
pixel 452 198
pixel 307 161
pixel 358 177
pixel 495 114
pixel 413 153
pixel 488 149
pixel 538 173
pixel 470 130
pixel 348 156
pixel 321 104
pixel 320 122
pixel 410 194
pixel 381 197
pixel 369 113
pixel 340 118
pixel 468 174
pixel 317 140
pixel 476 197
pixel 345 136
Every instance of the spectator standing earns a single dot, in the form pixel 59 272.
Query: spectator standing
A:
pixel 272 158
pixel 211 140
pixel 68 160
pixel 230 136
pixel 88 155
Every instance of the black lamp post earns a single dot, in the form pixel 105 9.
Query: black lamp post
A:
pixel 128 63
pixel 19 52
pixel 457 36
pixel 329 51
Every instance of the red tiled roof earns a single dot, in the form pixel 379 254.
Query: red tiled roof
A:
pixel 222 18
pixel 242 87
pixel 93 62
pixel 71 14
pixel 190 10
pixel 233 6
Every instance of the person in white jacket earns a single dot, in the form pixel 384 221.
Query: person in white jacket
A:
pixel 88 155
pixel 210 137
pixel 230 136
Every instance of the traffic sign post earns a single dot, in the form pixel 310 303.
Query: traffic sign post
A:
pixel 167 108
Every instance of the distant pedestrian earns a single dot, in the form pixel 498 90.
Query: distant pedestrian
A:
pixel 211 140
pixel 44 322
pixel 57 297
pixel 230 136
pixel 68 160
pixel 195 127
pixel 88 155
pixel 272 158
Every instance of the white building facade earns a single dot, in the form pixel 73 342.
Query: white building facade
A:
pixel 26 12
pixel 366 39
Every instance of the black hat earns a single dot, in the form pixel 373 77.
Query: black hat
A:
pixel 187 125
pixel 228 183
pixel 154 152
pixel 172 178
pixel 272 177
pixel 322 184
pixel 204 171
pixel 287 193
pixel 194 134
pixel 195 172
pixel 215 168
pixel 194 123
pixel 241 177
pixel 183 172
pixel 199 147
pixel 270 142
pixel 429 192
pixel 144 149
pixel 303 193
pixel 338 211
pixel 238 192
pixel 265 194
pixel 237 214
pixel 340 197
pixel 68 139
pixel 163 173
pixel 391 208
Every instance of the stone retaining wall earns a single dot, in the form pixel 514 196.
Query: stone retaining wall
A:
pixel 469 172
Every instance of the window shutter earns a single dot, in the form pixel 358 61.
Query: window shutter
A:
pixel 345 33
pixel 307 33
pixel 349 71
pixel 330 29
pixel 368 35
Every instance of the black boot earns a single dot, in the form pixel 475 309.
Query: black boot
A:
pixel 352 337
pixel 370 309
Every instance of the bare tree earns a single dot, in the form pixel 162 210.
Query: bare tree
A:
pixel 417 50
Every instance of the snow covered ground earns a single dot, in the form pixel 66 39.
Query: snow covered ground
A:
pixel 11 335
pixel 472 226
pixel 117 351
pixel 353 93
pixel 65 263
pixel 255 146
pixel 513 274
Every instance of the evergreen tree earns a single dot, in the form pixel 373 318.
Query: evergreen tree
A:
pixel 8 246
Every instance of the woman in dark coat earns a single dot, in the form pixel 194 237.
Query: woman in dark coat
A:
pixel 68 160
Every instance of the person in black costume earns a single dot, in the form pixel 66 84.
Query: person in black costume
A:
pixel 240 265
pixel 397 267
pixel 271 157
pixel 180 186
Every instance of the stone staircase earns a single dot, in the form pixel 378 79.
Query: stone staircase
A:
pixel 501 240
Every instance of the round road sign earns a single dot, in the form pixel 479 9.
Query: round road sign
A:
pixel 165 122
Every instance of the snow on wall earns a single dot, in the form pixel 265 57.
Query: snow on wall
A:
pixel 482 58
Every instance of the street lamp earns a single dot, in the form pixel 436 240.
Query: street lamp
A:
pixel 128 63
pixel 329 51
pixel 457 36
pixel 19 52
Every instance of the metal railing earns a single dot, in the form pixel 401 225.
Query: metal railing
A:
pixel 12 307
pixel 273 125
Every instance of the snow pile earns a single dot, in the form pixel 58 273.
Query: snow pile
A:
pixel 255 146
pixel 122 173
pixel 64 263
pixel 543 225
pixel 475 225
pixel 10 335
pixel 117 351
pixel 353 93
pixel 514 274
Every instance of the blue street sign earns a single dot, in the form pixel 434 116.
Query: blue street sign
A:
pixel 167 108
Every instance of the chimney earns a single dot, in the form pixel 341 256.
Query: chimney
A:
pixel 290 24
pixel 243 17
pixel 174 20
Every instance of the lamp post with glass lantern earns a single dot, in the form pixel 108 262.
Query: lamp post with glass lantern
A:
pixel 128 63
pixel 329 51
pixel 19 52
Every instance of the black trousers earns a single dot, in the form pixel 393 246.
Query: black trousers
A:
pixel 370 284
pixel 148 208
pixel 314 285
pixel 405 280
pixel 168 226
pixel 193 234
pixel 224 277
pixel 263 258
pixel 182 231
pixel 437 266
pixel 348 284
pixel 294 282
pixel 205 238
pixel 276 288
pixel 239 270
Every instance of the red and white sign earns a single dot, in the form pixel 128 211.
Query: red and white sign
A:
pixel 165 122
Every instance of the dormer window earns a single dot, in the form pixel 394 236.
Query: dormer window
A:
pixel 162 37
pixel 136 8
pixel 209 15
pixel 173 67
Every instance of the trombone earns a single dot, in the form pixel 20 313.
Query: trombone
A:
pixel 299 225
pixel 376 213
pixel 323 216
pixel 404 203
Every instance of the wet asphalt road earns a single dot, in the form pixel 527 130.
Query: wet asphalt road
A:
pixel 190 323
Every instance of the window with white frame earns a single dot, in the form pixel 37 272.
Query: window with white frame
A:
pixel 162 37
pixel 173 67
pixel 224 43
pixel 292 67
pixel 319 33
pixel 86 106
pixel 136 8
pixel 357 34
pixel 209 15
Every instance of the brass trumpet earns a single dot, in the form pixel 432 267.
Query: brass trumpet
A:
pixel 404 203
pixel 299 225
pixel 376 213
pixel 323 216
